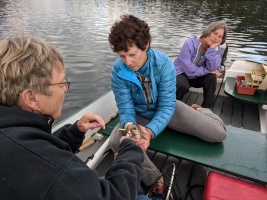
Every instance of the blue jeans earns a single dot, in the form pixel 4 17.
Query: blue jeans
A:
pixel 140 195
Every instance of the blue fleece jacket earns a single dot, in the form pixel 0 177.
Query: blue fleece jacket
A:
pixel 129 93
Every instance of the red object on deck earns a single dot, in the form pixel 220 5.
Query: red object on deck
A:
pixel 243 90
pixel 221 187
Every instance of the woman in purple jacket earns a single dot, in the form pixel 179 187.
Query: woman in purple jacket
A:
pixel 198 62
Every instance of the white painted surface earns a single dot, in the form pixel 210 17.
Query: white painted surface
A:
pixel 263 118
pixel 104 106
pixel 240 67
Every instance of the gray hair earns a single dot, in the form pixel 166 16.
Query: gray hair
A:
pixel 213 26
pixel 25 62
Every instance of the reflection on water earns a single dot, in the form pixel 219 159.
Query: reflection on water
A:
pixel 79 28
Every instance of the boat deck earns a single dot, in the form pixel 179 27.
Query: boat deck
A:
pixel 190 176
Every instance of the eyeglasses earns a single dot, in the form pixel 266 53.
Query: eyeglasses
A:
pixel 66 84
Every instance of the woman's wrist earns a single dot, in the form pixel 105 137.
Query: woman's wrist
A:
pixel 151 133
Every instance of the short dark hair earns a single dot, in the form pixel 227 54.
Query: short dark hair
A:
pixel 213 26
pixel 128 31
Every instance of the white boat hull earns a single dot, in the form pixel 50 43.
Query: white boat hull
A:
pixel 104 106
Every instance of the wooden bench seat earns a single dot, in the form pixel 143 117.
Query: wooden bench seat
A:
pixel 243 153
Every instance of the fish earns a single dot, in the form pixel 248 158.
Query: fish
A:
pixel 134 131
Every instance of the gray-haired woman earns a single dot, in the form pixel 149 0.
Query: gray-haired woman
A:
pixel 199 60
pixel 33 84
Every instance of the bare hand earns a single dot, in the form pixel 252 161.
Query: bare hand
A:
pixel 217 73
pixel 90 121
pixel 212 43
pixel 143 143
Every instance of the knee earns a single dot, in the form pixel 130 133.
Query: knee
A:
pixel 219 135
pixel 182 83
pixel 181 89
pixel 211 78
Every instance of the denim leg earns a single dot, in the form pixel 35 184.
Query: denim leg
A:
pixel 142 197
pixel 140 194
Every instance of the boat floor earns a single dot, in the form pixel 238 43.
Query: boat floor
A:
pixel 190 176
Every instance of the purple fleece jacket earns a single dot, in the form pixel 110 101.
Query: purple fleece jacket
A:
pixel 210 61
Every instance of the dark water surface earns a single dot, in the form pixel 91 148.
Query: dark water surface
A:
pixel 79 29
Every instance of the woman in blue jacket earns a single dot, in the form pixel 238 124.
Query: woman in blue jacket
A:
pixel 143 81
pixel 198 62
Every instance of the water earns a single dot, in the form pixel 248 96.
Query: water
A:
pixel 80 28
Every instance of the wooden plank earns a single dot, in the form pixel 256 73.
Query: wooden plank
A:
pixel 196 182
pixel 238 154
pixel 218 105
pixel 227 110
pixel 199 99
pixel 251 117
pixel 192 98
pixel 237 117
pixel 186 96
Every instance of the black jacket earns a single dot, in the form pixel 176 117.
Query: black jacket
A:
pixel 37 165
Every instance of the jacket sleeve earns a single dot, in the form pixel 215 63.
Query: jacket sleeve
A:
pixel 186 63
pixel 71 135
pixel 166 98
pixel 123 97
pixel 212 60
pixel 121 181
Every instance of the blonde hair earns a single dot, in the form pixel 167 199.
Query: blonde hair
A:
pixel 25 62
pixel 213 26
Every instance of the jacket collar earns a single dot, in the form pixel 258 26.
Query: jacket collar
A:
pixel 14 117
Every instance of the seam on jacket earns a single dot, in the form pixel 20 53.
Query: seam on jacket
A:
pixel 56 177
pixel 28 150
